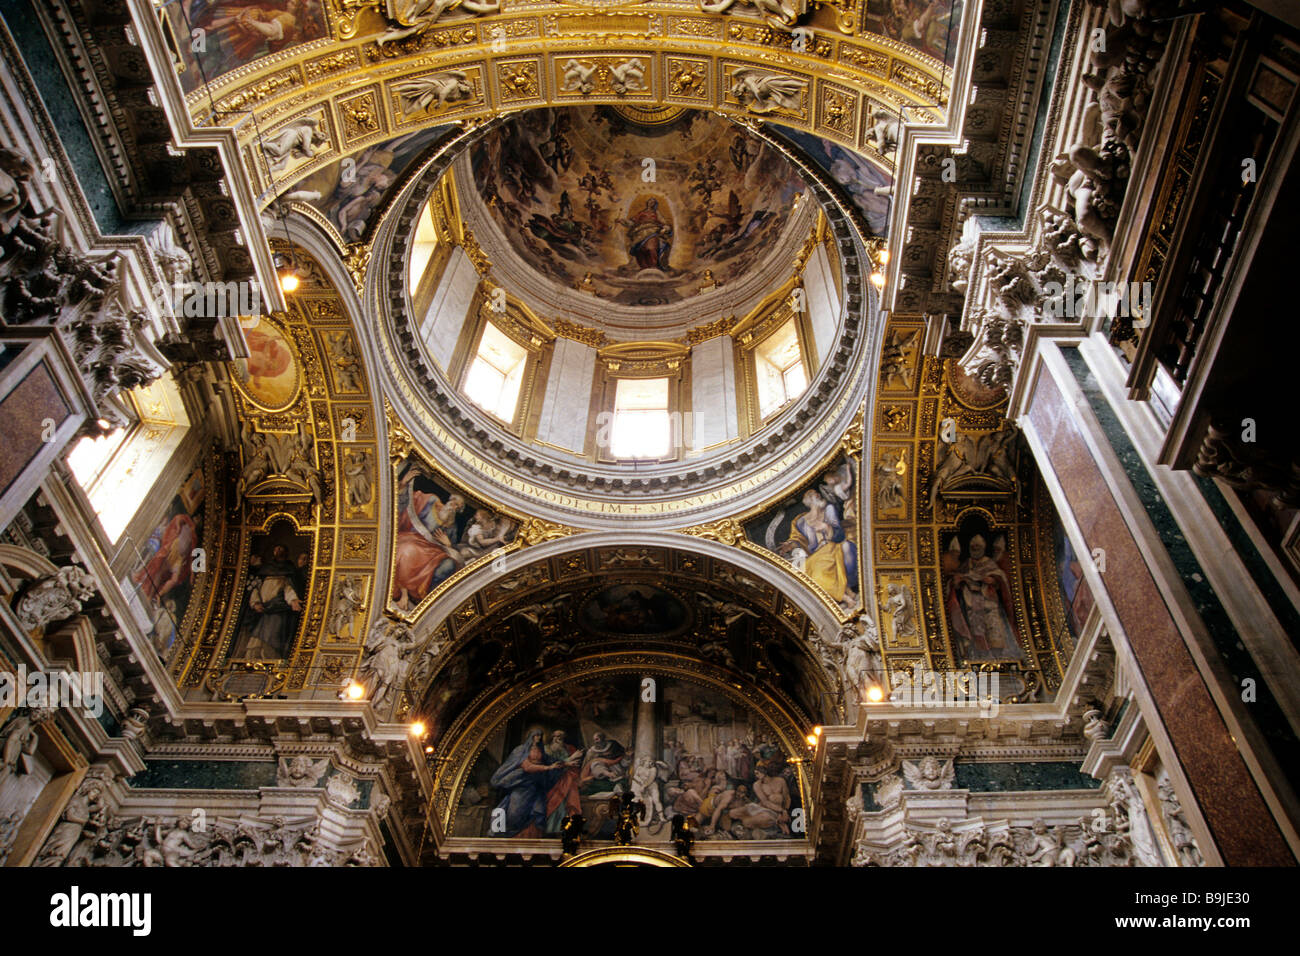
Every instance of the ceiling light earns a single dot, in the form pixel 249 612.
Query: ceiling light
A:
pixel 418 729
pixel 289 281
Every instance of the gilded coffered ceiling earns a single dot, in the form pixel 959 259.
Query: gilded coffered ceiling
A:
pixel 305 83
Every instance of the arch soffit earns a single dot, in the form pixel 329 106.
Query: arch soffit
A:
pixel 350 85
pixel 819 616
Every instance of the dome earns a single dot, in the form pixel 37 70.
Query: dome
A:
pixel 629 303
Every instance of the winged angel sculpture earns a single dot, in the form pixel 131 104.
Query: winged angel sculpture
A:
pixel 412 16
pixel 763 92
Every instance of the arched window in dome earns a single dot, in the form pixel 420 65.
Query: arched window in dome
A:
pixel 495 374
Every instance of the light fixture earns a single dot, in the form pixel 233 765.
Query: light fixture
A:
pixel 812 741
pixel 884 256
pixel 429 749
pixel 817 731
pixel 354 690
pixel 289 281
pixel 418 729
pixel 875 694
pixel 878 279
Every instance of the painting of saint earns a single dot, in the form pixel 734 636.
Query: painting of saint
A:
pixel 270 373
pixel 274 596
pixel 1074 586
pixel 649 236
pixel 977 595
pixel 540 781
pixel 703 756
pixel 231 33
pixel 164 579
pixel 438 533
pixel 817 531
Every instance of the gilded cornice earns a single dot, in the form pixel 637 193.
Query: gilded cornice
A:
pixel 515 59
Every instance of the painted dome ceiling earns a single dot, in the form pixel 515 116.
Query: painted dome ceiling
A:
pixel 637 207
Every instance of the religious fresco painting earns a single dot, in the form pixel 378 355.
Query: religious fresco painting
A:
pixel 1075 591
pixel 163 580
pixel 214 37
pixel 638 609
pixel 573 192
pixel 270 375
pixel 348 192
pixel 926 25
pixel 279 571
pixel 977 580
pixel 858 177
pixel 439 531
pixel 815 531
pixel 691 751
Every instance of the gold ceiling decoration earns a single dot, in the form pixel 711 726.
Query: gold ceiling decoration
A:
pixel 369 79
pixel 305 479
pixel 950 497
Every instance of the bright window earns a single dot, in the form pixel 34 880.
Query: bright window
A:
pixel 117 470
pixel 422 248
pixel 779 369
pixel 640 419
pixel 496 374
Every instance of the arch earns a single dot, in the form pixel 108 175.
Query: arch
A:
pixel 531 481
pixel 820 616
pixel 624 856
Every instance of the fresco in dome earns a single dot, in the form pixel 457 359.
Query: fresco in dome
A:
pixel 634 213
pixel 926 25
pixel 855 175
pixel 214 37
pixel 348 192
pixel 692 751
pixel 815 530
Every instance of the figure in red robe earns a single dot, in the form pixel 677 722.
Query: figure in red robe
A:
pixel 981 612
